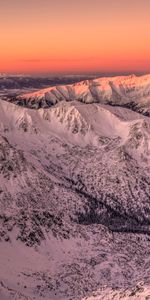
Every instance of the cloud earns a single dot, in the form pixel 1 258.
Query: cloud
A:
pixel 39 60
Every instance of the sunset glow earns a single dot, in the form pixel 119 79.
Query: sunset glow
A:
pixel 74 36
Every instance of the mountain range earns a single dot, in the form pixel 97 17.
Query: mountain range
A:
pixel 128 91
pixel 75 191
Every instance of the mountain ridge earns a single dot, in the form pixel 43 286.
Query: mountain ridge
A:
pixel 129 91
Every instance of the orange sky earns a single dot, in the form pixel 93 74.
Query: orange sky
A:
pixel 74 36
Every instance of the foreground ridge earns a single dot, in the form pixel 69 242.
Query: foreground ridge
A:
pixel 74 201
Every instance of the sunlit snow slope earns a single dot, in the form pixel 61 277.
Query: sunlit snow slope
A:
pixel 129 91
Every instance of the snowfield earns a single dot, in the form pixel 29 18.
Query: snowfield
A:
pixel 75 192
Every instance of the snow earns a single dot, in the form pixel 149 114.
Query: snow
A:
pixel 120 90
pixel 74 195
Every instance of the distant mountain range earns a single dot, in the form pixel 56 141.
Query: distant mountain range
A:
pixel 128 91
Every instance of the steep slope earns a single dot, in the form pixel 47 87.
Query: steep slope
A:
pixel 129 91
pixel 74 201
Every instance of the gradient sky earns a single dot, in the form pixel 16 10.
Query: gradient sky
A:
pixel 74 36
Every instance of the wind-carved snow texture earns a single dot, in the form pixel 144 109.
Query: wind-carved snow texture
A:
pixel 75 200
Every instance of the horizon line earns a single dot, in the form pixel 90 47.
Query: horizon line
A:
pixel 96 73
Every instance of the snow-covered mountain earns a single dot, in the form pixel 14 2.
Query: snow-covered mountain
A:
pixel 129 91
pixel 75 195
pixel 12 85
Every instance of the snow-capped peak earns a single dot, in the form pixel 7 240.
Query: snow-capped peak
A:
pixel 130 91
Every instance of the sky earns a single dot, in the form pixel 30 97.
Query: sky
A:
pixel 74 36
